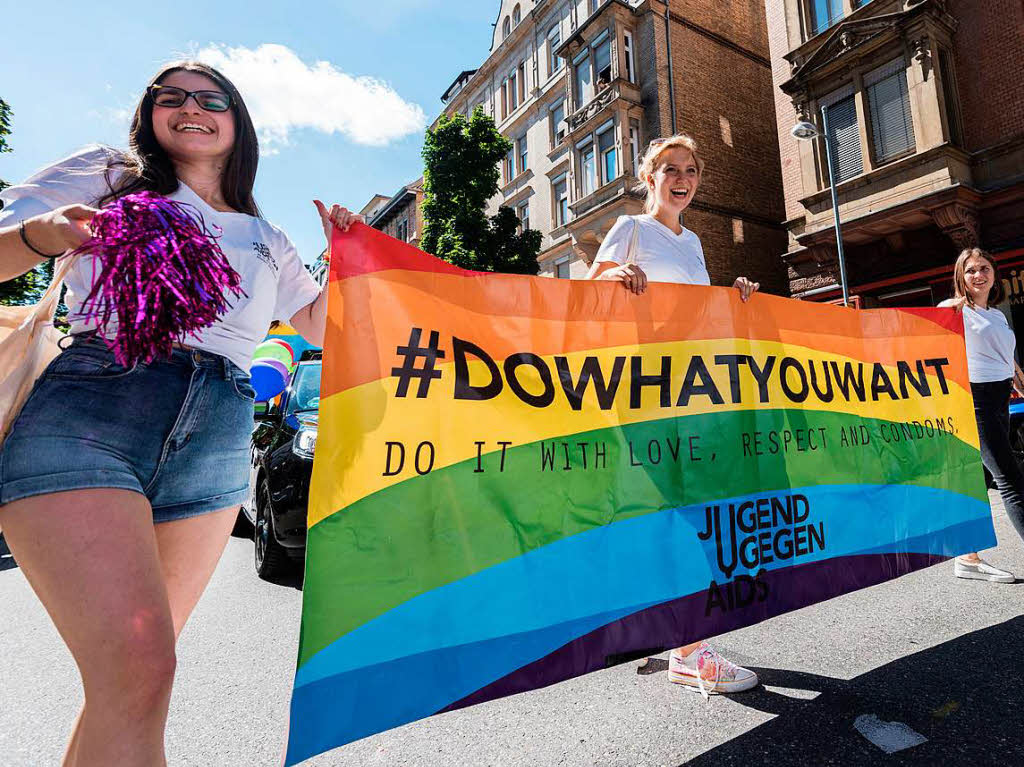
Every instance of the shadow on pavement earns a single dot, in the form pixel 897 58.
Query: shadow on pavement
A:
pixel 6 560
pixel 292 579
pixel 963 695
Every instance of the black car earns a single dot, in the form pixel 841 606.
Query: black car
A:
pixel 282 463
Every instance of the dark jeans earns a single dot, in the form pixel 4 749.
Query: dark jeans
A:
pixel 991 409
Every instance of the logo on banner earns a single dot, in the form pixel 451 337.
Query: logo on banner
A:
pixel 751 535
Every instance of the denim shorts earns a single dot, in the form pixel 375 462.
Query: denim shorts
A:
pixel 177 430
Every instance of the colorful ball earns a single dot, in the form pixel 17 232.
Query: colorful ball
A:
pixel 279 366
pixel 273 351
pixel 267 379
pixel 281 342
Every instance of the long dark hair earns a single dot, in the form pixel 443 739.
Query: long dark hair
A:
pixel 146 166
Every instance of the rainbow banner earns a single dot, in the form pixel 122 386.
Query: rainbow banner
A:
pixel 519 480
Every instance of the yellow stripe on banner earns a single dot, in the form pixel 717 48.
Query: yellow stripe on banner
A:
pixel 357 424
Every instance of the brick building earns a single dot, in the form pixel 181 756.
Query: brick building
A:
pixel 926 111
pixel 581 87
pixel 401 215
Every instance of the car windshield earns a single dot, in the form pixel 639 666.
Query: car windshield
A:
pixel 305 388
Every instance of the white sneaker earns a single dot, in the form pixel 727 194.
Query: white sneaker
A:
pixel 981 571
pixel 706 671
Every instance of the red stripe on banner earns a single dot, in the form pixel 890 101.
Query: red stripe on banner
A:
pixel 363 250
pixel 948 319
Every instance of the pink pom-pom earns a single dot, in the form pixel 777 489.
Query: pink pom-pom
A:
pixel 162 276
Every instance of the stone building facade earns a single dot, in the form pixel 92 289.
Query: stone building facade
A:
pixel 926 111
pixel 580 87
pixel 400 216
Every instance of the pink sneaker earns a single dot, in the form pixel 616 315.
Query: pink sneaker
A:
pixel 705 671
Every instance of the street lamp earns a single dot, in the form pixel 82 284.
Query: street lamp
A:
pixel 806 131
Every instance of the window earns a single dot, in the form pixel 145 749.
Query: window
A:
pixel 634 147
pixel 504 98
pixel 824 13
pixel 606 149
pixel 521 144
pixel 949 96
pixel 588 166
pixel 513 91
pixel 402 230
pixel 844 133
pixel 560 195
pixel 584 90
pixel 562 268
pixel 603 62
pixel 593 63
pixel 517 16
pixel 523 214
pixel 892 129
pixel 594 5
pixel 627 49
pixel 554 40
pixel 521 79
pixel 506 28
pixel 509 166
pixel 557 127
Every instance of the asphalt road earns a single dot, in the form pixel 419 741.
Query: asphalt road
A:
pixel 941 655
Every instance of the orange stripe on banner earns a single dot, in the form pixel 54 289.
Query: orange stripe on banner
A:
pixel 373 314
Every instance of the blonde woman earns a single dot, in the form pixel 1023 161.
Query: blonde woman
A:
pixel 992 371
pixel 666 251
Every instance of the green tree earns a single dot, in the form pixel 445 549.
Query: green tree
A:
pixel 5 126
pixel 460 175
pixel 5 131
pixel 29 287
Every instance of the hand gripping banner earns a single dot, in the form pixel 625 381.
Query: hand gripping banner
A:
pixel 519 480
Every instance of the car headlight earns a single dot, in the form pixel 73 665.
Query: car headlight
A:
pixel 305 442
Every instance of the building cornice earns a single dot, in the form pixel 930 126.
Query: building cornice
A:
pixel 855 36
pixel 401 197
pixel 578 36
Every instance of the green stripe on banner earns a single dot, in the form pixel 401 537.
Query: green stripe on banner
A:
pixel 416 536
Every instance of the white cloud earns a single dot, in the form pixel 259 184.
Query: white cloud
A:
pixel 285 94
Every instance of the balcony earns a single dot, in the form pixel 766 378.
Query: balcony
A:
pixel 621 95
pixel 618 187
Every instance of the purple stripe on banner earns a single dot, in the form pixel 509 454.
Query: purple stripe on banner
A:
pixel 714 612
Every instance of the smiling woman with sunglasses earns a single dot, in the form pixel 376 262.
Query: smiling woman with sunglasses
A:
pixel 119 487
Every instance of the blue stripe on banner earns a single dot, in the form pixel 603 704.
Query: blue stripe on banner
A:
pixel 444 644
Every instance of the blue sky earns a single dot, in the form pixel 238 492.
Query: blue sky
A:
pixel 74 72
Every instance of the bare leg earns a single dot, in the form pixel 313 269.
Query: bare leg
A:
pixel 91 557
pixel 189 552
pixel 687 649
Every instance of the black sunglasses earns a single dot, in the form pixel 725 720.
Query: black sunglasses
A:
pixel 169 96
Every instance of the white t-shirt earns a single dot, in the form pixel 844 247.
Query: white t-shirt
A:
pixel 663 255
pixel 990 344
pixel 275 282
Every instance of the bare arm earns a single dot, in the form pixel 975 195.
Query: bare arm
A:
pixel 631 276
pixel 311 320
pixel 52 233
pixel 1018 379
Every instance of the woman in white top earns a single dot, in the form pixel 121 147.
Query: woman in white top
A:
pixel 993 371
pixel 119 486
pixel 666 251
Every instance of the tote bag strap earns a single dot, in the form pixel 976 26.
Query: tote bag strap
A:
pixel 47 305
pixel 631 253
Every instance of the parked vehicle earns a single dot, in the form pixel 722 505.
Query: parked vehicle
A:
pixel 1017 429
pixel 282 448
